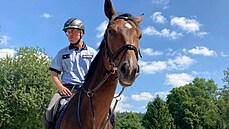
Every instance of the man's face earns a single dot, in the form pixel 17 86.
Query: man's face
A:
pixel 73 35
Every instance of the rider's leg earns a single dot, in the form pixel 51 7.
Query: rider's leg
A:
pixel 48 118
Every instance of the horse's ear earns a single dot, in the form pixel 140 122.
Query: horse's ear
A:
pixel 108 9
pixel 139 19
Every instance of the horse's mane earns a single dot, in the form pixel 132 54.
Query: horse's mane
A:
pixel 95 62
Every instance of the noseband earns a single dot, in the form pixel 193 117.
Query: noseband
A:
pixel 126 47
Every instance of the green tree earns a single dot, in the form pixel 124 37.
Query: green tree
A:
pixel 25 89
pixel 157 115
pixel 223 102
pixel 128 120
pixel 226 76
pixel 193 105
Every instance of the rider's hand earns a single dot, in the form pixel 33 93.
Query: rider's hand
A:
pixel 65 91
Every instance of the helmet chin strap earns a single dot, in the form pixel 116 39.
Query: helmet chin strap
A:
pixel 76 43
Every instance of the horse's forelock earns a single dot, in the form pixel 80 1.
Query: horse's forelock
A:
pixel 126 16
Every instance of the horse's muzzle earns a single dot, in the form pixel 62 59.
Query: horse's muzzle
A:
pixel 128 72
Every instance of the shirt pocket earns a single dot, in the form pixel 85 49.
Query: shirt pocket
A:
pixel 85 64
pixel 67 65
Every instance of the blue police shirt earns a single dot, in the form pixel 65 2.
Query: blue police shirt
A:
pixel 73 64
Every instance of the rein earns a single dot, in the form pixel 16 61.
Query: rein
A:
pixel 90 94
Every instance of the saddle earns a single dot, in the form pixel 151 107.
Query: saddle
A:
pixel 58 107
pixel 61 103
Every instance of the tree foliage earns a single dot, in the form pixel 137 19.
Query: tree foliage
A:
pixel 193 105
pixel 223 105
pixel 25 89
pixel 128 120
pixel 226 76
pixel 223 102
pixel 157 115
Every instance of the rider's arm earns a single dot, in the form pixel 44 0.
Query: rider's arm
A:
pixel 62 89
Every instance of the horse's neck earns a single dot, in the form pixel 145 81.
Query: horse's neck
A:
pixel 102 97
pixel 98 76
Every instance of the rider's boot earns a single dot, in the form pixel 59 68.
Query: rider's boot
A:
pixel 47 124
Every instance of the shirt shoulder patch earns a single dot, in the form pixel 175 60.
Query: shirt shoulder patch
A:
pixel 66 56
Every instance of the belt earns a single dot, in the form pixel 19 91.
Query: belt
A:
pixel 70 86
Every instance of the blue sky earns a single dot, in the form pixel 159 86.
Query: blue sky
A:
pixel 181 39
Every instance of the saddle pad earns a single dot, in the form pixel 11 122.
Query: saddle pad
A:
pixel 61 115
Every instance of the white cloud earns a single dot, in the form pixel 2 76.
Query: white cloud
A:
pixel 177 63
pixel 162 2
pixel 151 31
pixel 162 94
pixel 170 34
pixel 171 52
pixel 101 29
pixel 177 80
pixel 158 18
pixel 7 52
pixel 200 73
pixel 46 15
pixel 152 67
pixel 203 74
pixel 184 50
pixel 224 55
pixel 188 25
pixel 180 62
pixel 144 96
pixel 201 50
pixel 200 34
pixel 151 52
pixel 4 39
pixel 122 106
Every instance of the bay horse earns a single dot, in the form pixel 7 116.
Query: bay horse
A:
pixel 116 61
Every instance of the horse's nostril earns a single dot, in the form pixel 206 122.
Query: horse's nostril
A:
pixel 137 69
pixel 124 68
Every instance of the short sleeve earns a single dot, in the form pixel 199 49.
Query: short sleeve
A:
pixel 56 64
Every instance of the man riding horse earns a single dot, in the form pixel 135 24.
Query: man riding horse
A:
pixel 116 61
pixel 72 62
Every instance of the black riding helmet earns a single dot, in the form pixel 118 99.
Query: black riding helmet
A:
pixel 73 23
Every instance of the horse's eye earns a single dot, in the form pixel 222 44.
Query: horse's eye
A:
pixel 111 32
pixel 140 36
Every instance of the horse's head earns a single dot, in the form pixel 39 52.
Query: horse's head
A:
pixel 122 44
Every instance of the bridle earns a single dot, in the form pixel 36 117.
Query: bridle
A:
pixel 126 47
pixel 111 58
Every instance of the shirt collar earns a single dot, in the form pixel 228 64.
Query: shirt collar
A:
pixel 71 46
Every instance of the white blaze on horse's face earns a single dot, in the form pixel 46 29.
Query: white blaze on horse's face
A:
pixel 128 25
pixel 128 66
